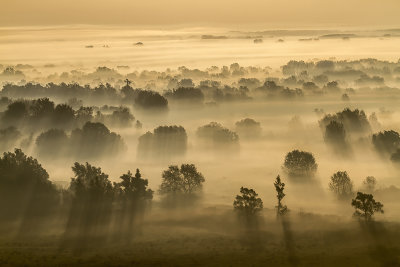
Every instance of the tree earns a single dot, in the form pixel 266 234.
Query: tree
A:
pixel 189 94
pixel 95 140
pixel 341 185
pixel 165 142
pixel 369 183
pixel 300 164
pixel 15 112
pixel 248 203
pixel 279 187
pixel 184 183
pixel 134 187
pixel 63 115
pixel 147 99
pixel 217 134
pixel 92 196
pixel 90 183
pixel 122 117
pixel 386 141
pixel 354 121
pixel 248 128
pixel 52 143
pixel 25 188
pixel 133 198
pixel 366 206
pixel 335 133
pixel 41 108
pixel 335 136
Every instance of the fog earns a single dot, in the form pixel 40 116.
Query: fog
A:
pixel 201 113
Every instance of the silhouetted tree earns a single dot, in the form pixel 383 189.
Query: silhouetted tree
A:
pixel 134 187
pixel 41 109
pixel 279 187
pixel 84 114
pixel 15 113
pixel 366 206
pixel 300 164
pixel 341 185
pixel 63 116
pixel 134 198
pixel 25 188
pixel 146 99
pixel 190 94
pixel 181 186
pixel 248 205
pixel 92 196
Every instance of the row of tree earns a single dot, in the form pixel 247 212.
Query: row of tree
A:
pixel 249 205
pixel 43 113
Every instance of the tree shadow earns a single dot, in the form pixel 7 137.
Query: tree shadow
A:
pixel 289 241
pixel 378 236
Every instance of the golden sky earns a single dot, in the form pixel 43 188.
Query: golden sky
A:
pixel 293 13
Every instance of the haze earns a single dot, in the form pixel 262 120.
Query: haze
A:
pixel 199 133
pixel 280 14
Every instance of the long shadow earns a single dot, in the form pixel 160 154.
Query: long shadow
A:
pixel 289 241
pixel 379 237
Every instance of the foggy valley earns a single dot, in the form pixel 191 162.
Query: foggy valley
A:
pixel 199 146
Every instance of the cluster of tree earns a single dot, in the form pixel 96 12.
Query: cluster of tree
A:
pixel 353 121
pixel 208 90
pixel 248 205
pixel 93 140
pixel 91 203
pixel 218 136
pixel 188 94
pixel 138 98
pixel 164 142
pixel 272 90
pixel 11 74
pixel 144 99
pixel 43 113
pixel 387 143
pixel 363 69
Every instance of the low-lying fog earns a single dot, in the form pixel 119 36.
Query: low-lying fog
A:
pixel 235 103
pixel 86 47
